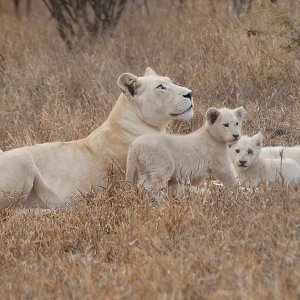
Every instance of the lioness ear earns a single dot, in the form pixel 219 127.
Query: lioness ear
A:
pixel 149 71
pixel 258 138
pixel 128 84
pixel 239 112
pixel 212 115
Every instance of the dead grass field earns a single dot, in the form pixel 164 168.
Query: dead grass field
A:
pixel 227 244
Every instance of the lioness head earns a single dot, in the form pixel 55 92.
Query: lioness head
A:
pixel 225 124
pixel 157 99
pixel 246 151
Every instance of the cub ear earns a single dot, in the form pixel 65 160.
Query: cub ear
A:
pixel 149 71
pixel 128 84
pixel 239 112
pixel 258 139
pixel 212 115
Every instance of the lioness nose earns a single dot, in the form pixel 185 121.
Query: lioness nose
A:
pixel 243 162
pixel 188 95
pixel 236 136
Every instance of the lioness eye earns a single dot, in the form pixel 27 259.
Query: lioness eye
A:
pixel 237 151
pixel 226 125
pixel 161 87
pixel 236 123
pixel 250 152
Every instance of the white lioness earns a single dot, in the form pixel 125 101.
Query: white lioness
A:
pixel 162 158
pixel 47 175
pixel 252 167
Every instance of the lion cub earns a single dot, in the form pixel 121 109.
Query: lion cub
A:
pixel 278 152
pixel 161 158
pixel 253 167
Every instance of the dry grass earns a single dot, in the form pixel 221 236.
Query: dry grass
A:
pixel 223 245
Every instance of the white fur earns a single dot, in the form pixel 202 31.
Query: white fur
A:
pixel 252 167
pixel 281 152
pixel 47 175
pixel 161 158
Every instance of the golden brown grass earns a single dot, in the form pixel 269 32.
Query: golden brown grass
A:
pixel 228 244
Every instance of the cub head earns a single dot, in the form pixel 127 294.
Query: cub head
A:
pixel 157 99
pixel 246 151
pixel 225 124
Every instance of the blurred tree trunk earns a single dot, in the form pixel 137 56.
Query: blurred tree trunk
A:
pixel 17 7
pixel 241 7
pixel 78 18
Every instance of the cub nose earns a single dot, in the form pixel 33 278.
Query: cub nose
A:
pixel 236 136
pixel 188 95
pixel 242 162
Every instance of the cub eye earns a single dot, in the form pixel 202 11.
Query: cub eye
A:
pixel 237 151
pixel 226 125
pixel 236 123
pixel 161 87
pixel 250 152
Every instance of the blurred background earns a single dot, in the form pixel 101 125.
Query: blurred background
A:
pixel 60 59
pixel 59 63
